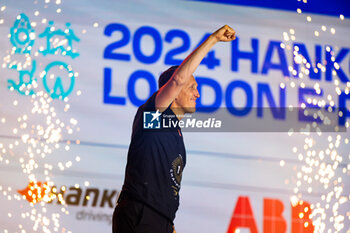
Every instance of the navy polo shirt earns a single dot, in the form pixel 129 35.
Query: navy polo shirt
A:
pixel 156 159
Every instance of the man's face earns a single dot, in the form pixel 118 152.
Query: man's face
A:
pixel 188 96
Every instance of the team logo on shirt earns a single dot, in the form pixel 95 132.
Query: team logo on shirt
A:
pixel 176 173
pixel 151 120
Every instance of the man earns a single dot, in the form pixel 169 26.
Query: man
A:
pixel 156 158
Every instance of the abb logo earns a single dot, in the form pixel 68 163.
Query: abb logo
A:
pixel 273 221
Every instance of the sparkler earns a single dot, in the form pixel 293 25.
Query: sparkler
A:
pixel 319 166
pixel 40 132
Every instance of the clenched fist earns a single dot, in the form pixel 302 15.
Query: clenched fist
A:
pixel 225 33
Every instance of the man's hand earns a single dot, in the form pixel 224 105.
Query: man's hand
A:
pixel 225 33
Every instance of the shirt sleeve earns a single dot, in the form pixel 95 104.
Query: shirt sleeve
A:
pixel 150 104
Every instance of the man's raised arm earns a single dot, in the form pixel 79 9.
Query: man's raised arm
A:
pixel 172 88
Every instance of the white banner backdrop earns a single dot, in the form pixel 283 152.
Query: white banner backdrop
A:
pixel 104 59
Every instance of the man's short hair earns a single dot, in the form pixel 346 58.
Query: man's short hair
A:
pixel 166 75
